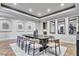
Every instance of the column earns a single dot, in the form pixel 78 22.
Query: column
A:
pixel 56 25
pixel 48 27
pixel 66 26
pixel 78 24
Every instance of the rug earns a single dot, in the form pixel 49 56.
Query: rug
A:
pixel 50 52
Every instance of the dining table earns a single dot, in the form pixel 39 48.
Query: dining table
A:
pixel 43 41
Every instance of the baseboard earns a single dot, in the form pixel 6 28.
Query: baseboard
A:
pixel 6 39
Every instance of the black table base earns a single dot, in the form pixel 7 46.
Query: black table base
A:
pixel 43 48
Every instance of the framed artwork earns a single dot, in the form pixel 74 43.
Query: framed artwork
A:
pixel 30 26
pixel 5 26
pixel 61 26
pixel 20 27
pixel 73 22
pixel 52 27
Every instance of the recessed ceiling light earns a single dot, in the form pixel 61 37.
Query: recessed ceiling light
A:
pixel 30 10
pixel 39 14
pixel 48 10
pixel 62 4
pixel 15 3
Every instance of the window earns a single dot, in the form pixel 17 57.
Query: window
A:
pixel 52 27
pixel 44 25
pixel 61 26
pixel 73 25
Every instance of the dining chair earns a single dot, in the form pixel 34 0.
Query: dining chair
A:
pixel 35 46
pixel 24 43
pixel 27 44
pixel 54 43
pixel 20 42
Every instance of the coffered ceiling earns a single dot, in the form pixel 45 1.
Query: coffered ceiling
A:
pixel 36 10
pixel 39 10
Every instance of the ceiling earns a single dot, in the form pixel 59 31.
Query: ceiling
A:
pixel 35 10
pixel 38 10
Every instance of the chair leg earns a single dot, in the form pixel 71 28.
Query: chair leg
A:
pixel 28 48
pixel 45 49
pixel 22 45
pixel 33 51
pixel 59 48
pixel 25 48
pixel 19 43
pixel 55 50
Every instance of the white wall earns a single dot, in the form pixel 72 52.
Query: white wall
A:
pixel 65 37
pixel 13 31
